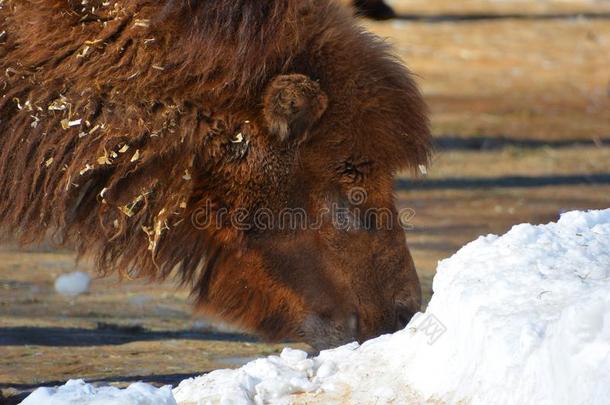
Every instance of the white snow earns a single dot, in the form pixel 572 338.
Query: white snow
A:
pixel 519 319
pixel 77 392
pixel 73 284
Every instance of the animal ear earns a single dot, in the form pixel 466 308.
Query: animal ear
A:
pixel 292 105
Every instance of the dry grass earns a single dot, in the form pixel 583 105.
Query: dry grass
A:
pixel 524 79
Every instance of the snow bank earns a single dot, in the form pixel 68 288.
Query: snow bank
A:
pixel 519 319
pixel 73 284
pixel 527 318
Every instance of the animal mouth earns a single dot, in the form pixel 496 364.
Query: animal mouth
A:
pixel 324 334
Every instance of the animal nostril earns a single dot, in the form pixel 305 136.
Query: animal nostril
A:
pixel 403 316
pixel 353 324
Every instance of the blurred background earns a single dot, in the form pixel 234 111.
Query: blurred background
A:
pixel 519 94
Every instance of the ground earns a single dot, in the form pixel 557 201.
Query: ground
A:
pixel 519 100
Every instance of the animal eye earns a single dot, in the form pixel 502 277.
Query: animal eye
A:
pixel 237 145
pixel 356 172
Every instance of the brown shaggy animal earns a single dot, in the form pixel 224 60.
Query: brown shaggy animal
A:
pixel 126 126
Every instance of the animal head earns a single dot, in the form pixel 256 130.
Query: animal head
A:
pixel 247 148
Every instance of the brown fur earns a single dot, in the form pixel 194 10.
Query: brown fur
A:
pixel 118 123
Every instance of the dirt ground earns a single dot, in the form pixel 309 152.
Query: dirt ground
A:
pixel 519 94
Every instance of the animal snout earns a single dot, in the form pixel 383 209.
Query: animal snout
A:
pixel 396 319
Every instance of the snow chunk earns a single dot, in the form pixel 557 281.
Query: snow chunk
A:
pixel 77 392
pixel 73 284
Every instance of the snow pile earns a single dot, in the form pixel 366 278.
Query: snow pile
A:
pixel 527 318
pixel 76 392
pixel 73 284
pixel 519 319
